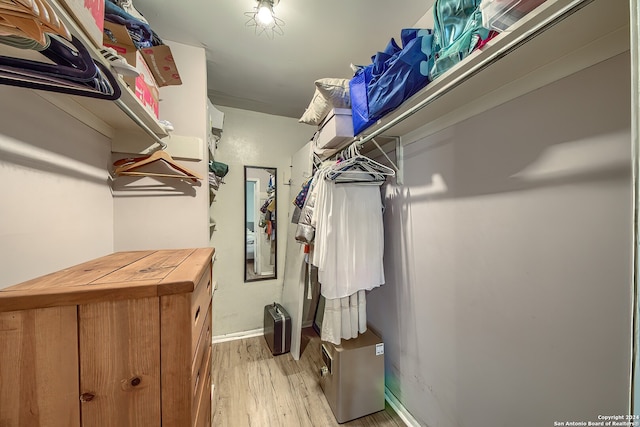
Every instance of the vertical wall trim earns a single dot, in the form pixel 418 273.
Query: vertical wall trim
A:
pixel 634 21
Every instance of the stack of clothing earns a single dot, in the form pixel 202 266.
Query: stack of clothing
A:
pixel 217 171
pixel 124 13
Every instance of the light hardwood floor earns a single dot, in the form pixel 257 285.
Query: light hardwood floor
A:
pixel 255 389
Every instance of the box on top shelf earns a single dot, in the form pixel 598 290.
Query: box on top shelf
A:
pixel 89 15
pixel 335 129
pixel 499 15
pixel 163 67
pixel 159 59
pixel 144 86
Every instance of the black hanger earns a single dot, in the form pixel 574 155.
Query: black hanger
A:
pixel 74 72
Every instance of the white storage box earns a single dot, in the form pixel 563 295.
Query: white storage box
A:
pixel 336 128
pixel 499 15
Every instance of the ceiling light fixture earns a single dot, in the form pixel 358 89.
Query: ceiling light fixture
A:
pixel 264 19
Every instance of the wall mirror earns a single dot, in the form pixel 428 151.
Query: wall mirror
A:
pixel 260 255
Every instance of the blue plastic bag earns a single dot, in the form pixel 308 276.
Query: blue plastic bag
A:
pixel 359 103
pixel 403 73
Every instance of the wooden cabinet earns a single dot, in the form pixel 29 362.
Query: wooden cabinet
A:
pixel 123 340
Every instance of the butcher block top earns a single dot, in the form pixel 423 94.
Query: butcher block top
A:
pixel 121 275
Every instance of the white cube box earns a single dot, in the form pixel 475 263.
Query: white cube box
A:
pixel 335 129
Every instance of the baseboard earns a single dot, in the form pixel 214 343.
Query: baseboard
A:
pixel 402 412
pixel 238 335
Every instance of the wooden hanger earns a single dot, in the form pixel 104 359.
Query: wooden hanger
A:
pixel 30 26
pixel 52 21
pixel 126 166
pixel 40 13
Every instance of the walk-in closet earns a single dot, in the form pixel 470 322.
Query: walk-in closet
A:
pixel 264 213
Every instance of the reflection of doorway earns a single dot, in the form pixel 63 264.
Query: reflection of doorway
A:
pixel 264 263
pixel 253 226
pixel 260 231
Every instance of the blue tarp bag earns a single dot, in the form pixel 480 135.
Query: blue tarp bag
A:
pixel 403 73
pixel 359 104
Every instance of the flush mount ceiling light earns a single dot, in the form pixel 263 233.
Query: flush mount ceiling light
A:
pixel 264 20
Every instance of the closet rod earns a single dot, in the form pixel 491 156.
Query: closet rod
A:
pixel 568 10
pixel 125 108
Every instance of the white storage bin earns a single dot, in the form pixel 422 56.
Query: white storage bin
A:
pixel 499 15
pixel 336 128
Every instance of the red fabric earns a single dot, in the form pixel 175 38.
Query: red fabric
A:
pixel 491 35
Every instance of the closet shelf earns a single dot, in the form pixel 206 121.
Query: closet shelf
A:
pixel 106 117
pixel 559 38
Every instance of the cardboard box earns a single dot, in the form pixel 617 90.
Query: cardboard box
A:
pixel 160 61
pixel 158 58
pixel 336 128
pixel 144 86
pixel 89 14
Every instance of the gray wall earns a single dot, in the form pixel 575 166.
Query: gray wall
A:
pixel 168 214
pixel 252 139
pixel 508 261
pixel 56 208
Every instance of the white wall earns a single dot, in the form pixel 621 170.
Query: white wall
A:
pixel 56 208
pixel 168 213
pixel 251 139
pixel 508 261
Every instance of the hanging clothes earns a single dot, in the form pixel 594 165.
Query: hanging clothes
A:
pixel 348 251
pixel 349 242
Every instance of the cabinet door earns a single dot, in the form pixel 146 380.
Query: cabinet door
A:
pixel 120 363
pixel 39 368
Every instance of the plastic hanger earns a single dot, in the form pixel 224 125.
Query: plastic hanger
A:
pixel 71 64
pixel 73 71
pixel 354 167
pixel 126 166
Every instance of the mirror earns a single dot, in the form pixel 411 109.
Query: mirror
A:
pixel 260 203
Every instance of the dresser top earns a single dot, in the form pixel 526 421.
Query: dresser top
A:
pixel 121 275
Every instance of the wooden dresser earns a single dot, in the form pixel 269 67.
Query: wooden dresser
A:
pixel 123 340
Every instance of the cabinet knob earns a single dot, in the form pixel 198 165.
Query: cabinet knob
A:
pixel 324 371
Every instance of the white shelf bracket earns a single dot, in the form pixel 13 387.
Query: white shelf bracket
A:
pixel 398 165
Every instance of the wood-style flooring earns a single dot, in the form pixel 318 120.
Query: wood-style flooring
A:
pixel 255 389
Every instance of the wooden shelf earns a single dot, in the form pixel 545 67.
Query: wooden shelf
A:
pixel 106 117
pixel 557 39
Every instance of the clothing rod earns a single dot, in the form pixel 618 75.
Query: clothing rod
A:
pixel 570 9
pixel 140 123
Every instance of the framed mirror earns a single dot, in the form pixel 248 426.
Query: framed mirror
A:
pixel 260 231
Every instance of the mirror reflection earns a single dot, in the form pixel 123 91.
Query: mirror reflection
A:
pixel 260 223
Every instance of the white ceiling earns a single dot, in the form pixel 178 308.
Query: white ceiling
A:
pixel 276 76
